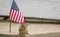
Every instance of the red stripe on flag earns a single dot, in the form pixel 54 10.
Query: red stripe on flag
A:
pixel 14 15
pixel 20 18
pixel 11 14
pixel 23 19
pixel 17 16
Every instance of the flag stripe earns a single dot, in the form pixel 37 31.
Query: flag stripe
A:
pixel 18 16
pixel 22 19
pixel 13 14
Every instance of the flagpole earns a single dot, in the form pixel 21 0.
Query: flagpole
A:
pixel 10 21
pixel 10 26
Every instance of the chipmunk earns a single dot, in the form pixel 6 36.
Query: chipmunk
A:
pixel 23 29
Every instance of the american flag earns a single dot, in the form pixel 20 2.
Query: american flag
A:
pixel 15 14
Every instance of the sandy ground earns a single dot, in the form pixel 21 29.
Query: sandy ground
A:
pixel 32 28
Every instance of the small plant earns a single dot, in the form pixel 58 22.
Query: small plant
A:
pixel 23 29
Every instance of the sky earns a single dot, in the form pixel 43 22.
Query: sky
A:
pixel 33 8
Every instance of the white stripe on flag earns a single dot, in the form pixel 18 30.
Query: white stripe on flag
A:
pixel 13 14
pixel 20 18
pixel 16 15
